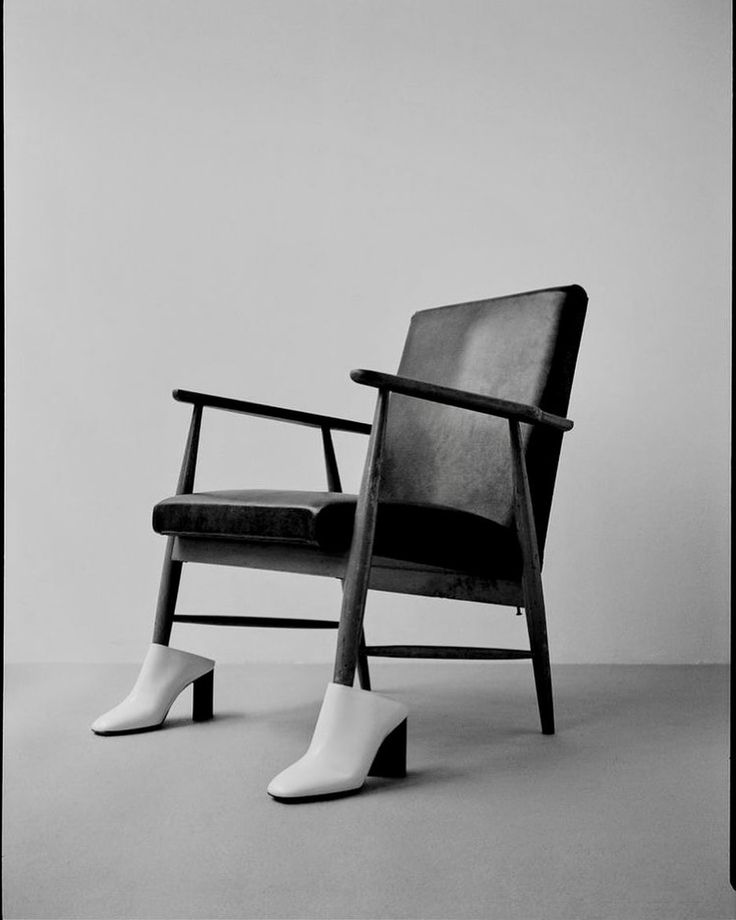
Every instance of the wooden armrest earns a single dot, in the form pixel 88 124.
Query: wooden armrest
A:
pixel 294 416
pixel 463 399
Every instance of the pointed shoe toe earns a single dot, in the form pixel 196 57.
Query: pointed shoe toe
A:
pixel 164 674
pixel 358 734
pixel 103 723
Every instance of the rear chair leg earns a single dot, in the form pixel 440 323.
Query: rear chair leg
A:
pixel 537 627
pixel 531 580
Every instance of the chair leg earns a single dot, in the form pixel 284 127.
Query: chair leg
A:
pixel 364 674
pixel 537 626
pixel 350 631
pixel 531 580
pixel 167 594
pixel 171 572
pixel 357 573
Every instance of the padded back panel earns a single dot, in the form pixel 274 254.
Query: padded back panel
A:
pixel 522 348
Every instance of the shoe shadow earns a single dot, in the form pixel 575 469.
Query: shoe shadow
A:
pixel 421 778
pixel 218 718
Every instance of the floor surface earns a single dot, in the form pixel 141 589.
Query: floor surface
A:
pixel 622 814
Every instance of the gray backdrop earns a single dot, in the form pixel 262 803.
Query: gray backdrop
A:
pixel 250 198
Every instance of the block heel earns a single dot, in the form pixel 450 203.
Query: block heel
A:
pixel 203 694
pixel 164 674
pixel 390 759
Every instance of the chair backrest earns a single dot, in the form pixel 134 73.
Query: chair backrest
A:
pixel 523 348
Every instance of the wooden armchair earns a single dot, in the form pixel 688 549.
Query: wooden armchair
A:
pixel 256 529
pixel 455 496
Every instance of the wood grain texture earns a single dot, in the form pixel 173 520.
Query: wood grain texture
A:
pixel 171 570
pixel 333 474
pixel 364 673
pixel 261 410
pixel 357 575
pixel 462 399
pixel 390 575
pixel 213 619
pixel 532 582
pixel 188 469
pixel 459 652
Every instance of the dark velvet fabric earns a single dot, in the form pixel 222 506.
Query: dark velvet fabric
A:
pixel 417 532
pixel 521 348
pixel 446 491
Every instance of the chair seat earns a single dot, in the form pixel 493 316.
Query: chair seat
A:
pixel 415 532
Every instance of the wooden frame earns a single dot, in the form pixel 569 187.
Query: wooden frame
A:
pixel 357 578
pixel 462 399
pixel 359 570
pixel 175 556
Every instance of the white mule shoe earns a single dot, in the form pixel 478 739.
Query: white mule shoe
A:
pixel 358 734
pixel 164 674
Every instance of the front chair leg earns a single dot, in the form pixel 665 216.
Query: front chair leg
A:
pixel 358 734
pixel 167 594
pixel 364 674
pixel 357 574
pixel 165 671
pixel 171 572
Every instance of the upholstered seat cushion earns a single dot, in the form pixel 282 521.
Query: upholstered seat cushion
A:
pixel 431 534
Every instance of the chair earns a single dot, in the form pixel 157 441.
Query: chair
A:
pixel 454 501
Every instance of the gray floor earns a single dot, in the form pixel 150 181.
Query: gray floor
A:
pixel 622 814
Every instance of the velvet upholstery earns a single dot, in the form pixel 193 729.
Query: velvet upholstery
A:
pixel 416 532
pixel 454 499
pixel 446 495
pixel 521 348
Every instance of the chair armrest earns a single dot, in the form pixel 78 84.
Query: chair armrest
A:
pixel 294 416
pixel 463 399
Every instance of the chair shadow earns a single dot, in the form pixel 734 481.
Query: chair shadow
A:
pixel 461 733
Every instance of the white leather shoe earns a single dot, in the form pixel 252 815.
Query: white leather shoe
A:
pixel 164 674
pixel 358 734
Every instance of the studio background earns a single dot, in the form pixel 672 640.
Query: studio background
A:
pixel 251 198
